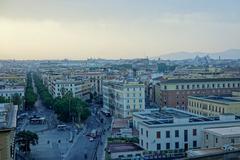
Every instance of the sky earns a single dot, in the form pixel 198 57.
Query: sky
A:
pixel 112 29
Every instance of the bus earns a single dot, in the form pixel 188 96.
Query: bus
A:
pixel 61 127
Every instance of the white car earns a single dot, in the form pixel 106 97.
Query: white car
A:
pixel 91 139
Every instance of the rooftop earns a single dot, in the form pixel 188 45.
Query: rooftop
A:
pixel 176 116
pixel 123 147
pixel 9 116
pixel 199 80
pixel 226 131
pixel 218 99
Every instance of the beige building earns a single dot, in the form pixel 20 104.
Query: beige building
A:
pixel 214 105
pixel 8 114
pixel 122 98
pixel 220 137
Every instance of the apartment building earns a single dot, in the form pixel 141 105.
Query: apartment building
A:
pixel 214 105
pixel 95 78
pixel 175 130
pixel 8 92
pixel 8 114
pixel 122 98
pixel 175 92
pixel 78 88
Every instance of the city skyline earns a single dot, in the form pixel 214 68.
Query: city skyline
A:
pixel 122 29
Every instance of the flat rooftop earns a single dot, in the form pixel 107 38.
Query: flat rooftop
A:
pixel 123 147
pixel 225 131
pixel 174 116
pixel 218 99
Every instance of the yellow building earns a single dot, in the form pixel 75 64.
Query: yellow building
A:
pixel 214 105
pixel 8 113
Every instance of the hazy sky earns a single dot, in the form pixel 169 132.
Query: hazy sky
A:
pixel 80 29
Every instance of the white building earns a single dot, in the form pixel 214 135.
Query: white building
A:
pixel 221 136
pixel 122 98
pixel 9 92
pixel 172 129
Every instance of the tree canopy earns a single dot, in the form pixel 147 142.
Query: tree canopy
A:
pixel 30 96
pixel 26 138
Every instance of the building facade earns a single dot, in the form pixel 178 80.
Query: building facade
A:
pixel 9 92
pixel 175 130
pixel 8 116
pixel 78 88
pixel 214 105
pixel 175 92
pixel 123 98
pixel 221 137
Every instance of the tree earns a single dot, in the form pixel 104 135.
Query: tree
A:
pixel 16 99
pixel 2 99
pixel 26 138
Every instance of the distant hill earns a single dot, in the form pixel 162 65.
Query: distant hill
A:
pixel 228 54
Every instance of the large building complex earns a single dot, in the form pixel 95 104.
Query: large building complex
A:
pixel 176 130
pixel 122 98
pixel 214 105
pixel 8 115
pixel 175 92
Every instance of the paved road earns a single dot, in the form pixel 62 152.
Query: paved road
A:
pixel 82 145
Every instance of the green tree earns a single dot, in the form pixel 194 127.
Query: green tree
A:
pixel 2 99
pixel 16 99
pixel 26 138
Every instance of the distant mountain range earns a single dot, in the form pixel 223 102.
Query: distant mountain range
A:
pixel 228 54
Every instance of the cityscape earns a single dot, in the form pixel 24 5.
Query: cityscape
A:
pixel 123 80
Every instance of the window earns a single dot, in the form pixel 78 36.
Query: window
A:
pixel 147 145
pixel 141 142
pixel 167 145
pixel 232 141
pixel 176 133
pixel 185 135
pixel 165 87
pixel 194 144
pixel 188 86
pixel 141 131
pixel 176 86
pixel 158 134
pixel 167 134
pixel 194 132
pixel 216 140
pixel 158 146
pixel 146 133
pixel 182 86
pixel 176 145
pixel 207 137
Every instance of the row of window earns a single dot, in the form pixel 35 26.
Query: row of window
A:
pixel 203 86
pixel 176 133
pixel 134 100
pixel 10 94
pixel 168 145
pixel 206 107
pixel 134 95
pixel 134 89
